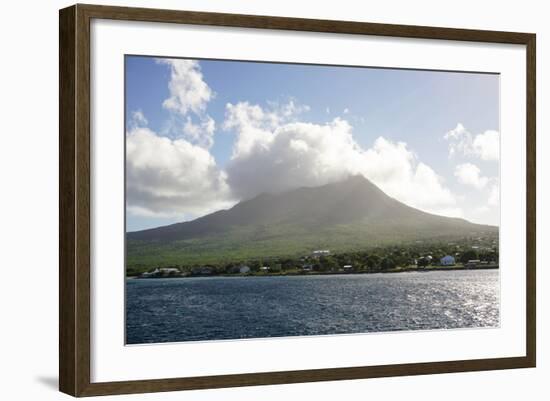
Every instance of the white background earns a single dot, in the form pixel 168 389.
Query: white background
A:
pixel 28 212
pixel 111 361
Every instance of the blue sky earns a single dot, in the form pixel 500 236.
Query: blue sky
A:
pixel 448 122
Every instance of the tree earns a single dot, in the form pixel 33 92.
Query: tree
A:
pixel 387 264
pixel 402 259
pixel 470 254
pixel 373 261
pixel 327 263
pixel 276 268
pixel 422 262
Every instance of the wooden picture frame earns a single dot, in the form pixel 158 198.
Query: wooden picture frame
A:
pixel 75 207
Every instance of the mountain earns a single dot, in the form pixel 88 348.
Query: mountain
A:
pixel 350 214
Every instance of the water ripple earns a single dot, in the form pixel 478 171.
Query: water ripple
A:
pixel 190 309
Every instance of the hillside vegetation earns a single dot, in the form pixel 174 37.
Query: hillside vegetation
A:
pixel 350 215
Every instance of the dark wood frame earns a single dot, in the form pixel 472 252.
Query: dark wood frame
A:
pixel 74 199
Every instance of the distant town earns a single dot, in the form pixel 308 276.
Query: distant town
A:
pixel 468 253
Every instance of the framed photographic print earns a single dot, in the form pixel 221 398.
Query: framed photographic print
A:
pixel 250 200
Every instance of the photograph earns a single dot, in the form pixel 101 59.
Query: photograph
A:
pixel 267 199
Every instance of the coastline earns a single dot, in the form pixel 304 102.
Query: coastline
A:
pixel 410 269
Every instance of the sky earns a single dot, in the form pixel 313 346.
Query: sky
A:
pixel 202 135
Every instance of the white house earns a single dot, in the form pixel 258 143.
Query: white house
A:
pixel 473 263
pixel 154 273
pixel 169 270
pixel 161 272
pixel 320 252
pixel 447 260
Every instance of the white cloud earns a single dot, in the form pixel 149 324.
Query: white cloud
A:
pixel 346 111
pixel 253 124
pixel 287 110
pixel 167 177
pixel 202 133
pixel 189 97
pixel 174 175
pixel 484 146
pixel 470 174
pixel 188 91
pixel 488 213
pixel 399 173
pixel 273 153
pixel 138 119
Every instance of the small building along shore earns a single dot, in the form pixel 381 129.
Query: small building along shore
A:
pixel 447 260
pixel 244 269
pixel 162 272
pixel 320 252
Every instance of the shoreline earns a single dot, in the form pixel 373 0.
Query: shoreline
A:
pixel 311 273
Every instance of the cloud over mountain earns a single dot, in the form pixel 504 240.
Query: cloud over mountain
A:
pixel 272 154
pixel 172 169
